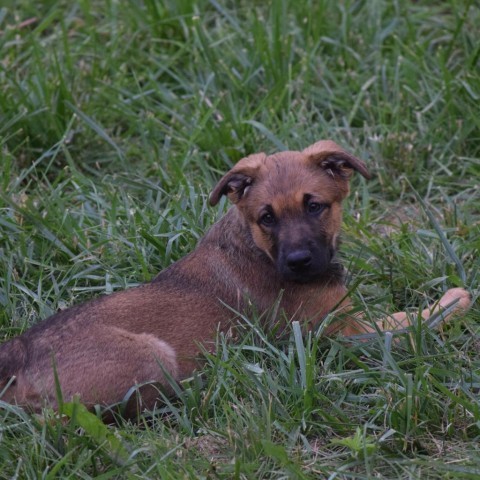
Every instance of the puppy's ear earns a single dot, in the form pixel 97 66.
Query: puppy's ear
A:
pixel 336 161
pixel 235 183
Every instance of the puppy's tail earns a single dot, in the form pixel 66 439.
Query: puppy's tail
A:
pixel 13 356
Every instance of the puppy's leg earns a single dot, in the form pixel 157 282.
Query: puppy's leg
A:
pixel 458 298
pixel 99 366
pixel 357 325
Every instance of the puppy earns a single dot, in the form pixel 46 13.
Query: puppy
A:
pixel 280 237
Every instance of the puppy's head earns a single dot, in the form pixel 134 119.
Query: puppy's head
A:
pixel 291 202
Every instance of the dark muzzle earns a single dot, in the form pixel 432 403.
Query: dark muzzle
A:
pixel 304 264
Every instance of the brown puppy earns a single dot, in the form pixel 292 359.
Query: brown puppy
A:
pixel 280 236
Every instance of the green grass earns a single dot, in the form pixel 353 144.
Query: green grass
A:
pixel 116 118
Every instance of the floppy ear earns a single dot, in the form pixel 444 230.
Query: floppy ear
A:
pixel 332 158
pixel 235 183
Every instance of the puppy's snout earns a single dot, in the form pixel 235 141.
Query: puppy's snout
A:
pixel 299 260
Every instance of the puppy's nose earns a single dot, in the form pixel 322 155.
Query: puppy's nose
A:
pixel 299 260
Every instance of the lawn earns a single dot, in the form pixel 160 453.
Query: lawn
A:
pixel 116 119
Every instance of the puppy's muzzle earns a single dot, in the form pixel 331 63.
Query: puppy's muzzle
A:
pixel 304 264
pixel 299 260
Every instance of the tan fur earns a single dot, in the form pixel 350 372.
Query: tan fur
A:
pixel 102 348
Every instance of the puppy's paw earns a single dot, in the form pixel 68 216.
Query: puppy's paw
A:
pixel 462 297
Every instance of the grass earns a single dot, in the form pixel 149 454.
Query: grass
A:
pixel 116 118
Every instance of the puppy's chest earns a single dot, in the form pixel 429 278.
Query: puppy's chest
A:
pixel 304 303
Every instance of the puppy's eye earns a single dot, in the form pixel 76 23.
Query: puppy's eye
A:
pixel 314 208
pixel 267 219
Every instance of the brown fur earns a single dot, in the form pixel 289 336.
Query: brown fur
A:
pixel 280 236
